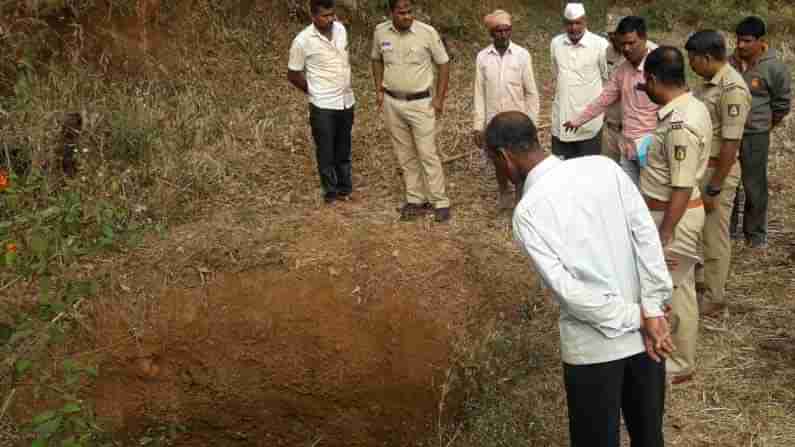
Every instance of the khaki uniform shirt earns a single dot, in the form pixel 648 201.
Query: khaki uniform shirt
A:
pixel 680 149
pixel 613 58
pixel 409 56
pixel 728 100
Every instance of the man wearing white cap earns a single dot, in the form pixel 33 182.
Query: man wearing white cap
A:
pixel 504 81
pixel 578 67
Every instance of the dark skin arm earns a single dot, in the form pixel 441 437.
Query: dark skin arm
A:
pixel 726 160
pixel 298 79
pixel 378 79
pixel 442 82
pixel 676 209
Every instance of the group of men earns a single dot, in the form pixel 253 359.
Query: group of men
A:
pixel 633 248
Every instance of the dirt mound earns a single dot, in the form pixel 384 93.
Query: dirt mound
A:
pixel 352 352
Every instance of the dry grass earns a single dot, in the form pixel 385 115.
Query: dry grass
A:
pixel 232 171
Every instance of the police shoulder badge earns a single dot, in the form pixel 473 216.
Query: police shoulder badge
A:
pixel 680 152
pixel 734 110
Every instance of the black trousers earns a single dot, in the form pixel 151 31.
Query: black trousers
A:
pixel 598 394
pixel 574 149
pixel 753 160
pixel 331 130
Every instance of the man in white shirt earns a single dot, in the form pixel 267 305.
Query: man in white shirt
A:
pixel 319 66
pixel 504 81
pixel 578 67
pixel 592 239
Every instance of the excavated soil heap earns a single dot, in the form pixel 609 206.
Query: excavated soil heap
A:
pixel 350 353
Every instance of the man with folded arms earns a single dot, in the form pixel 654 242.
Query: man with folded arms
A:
pixel 728 100
pixel 404 54
pixel 677 160
pixel 504 81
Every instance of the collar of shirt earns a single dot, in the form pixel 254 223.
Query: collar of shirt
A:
pixel 548 164
pixel 668 108
pixel 493 50
pixel 395 30
pixel 580 43
pixel 335 28
pixel 718 76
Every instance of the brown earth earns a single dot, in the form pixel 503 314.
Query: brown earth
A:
pixel 349 344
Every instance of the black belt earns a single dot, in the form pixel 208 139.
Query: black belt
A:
pixel 615 127
pixel 408 96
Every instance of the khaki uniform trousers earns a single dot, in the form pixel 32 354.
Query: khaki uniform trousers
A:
pixel 684 313
pixel 717 244
pixel 610 139
pixel 412 125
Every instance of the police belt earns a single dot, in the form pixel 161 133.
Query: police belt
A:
pixel 661 205
pixel 713 162
pixel 615 127
pixel 408 96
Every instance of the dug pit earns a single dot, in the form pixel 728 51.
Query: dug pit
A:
pixel 353 353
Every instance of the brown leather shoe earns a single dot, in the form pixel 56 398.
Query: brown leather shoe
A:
pixel 712 309
pixel 681 378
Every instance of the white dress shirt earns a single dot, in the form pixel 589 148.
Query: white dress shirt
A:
pixel 504 83
pixel 326 65
pixel 592 239
pixel 578 70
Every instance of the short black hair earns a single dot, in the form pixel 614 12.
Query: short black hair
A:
pixel 393 4
pixel 667 64
pixel 707 42
pixel 632 24
pixel 512 131
pixel 751 26
pixel 315 5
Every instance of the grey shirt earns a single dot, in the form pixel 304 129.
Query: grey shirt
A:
pixel 769 81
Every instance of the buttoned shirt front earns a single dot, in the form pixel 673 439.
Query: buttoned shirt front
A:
pixel 326 65
pixel 578 69
pixel 593 241
pixel 729 101
pixel 504 83
pixel 639 113
pixel 408 56
pixel 680 149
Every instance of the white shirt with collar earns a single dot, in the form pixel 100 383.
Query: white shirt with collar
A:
pixel 592 239
pixel 504 83
pixel 326 65
pixel 578 70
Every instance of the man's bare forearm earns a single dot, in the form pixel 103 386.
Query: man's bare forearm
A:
pixel 378 74
pixel 676 209
pixel 298 79
pixel 442 81
pixel 726 160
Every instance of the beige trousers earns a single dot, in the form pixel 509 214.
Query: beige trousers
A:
pixel 412 125
pixel 684 315
pixel 717 244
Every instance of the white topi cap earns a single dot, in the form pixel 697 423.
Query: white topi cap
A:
pixel 574 11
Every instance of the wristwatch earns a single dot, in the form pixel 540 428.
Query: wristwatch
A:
pixel 712 191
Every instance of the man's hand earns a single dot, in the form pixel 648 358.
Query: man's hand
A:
pixel 628 148
pixel 665 236
pixel 710 203
pixel 477 138
pixel 657 337
pixel 379 99
pixel 438 105
pixel 570 127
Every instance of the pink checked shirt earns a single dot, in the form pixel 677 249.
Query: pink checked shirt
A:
pixel 639 112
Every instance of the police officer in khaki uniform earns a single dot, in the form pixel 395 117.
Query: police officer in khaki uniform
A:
pixel 728 100
pixel 613 117
pixel 677 160
pixel 403 58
